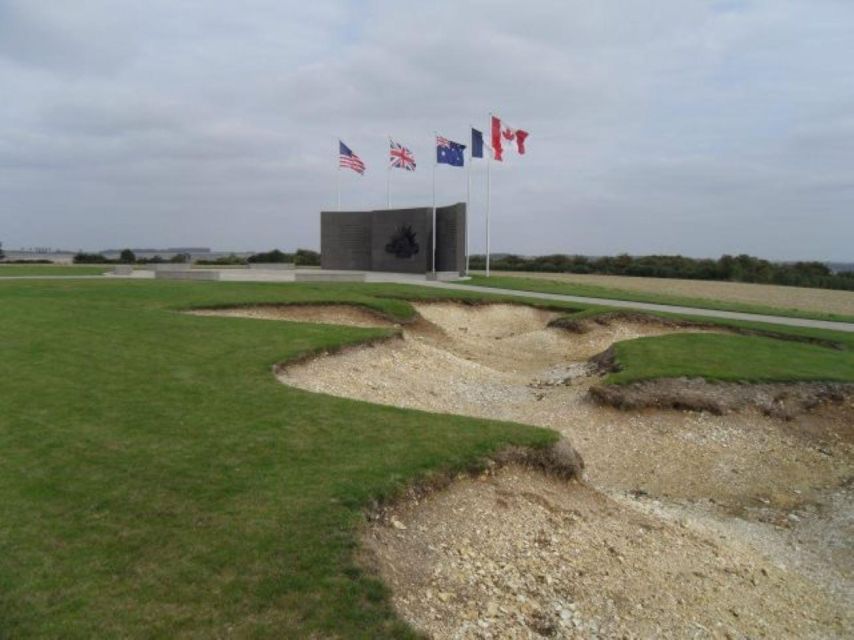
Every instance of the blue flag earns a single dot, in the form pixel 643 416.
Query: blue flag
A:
pixel 476 144
pixel 448 152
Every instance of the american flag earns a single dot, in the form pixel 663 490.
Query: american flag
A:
pixel 400 156
pixel 349 160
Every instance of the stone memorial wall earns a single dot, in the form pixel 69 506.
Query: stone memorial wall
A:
pixel 395 240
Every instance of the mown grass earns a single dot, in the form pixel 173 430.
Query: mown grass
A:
pixel 776 353
pixel 12 270
pixel 157 481
pixel 733 358
pixel 543 285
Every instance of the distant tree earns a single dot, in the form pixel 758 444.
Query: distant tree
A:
pixel 622 262
pixel 271 256
pixel 812 269
pixel 180 258
pixel 230 259
pixel 89 258
pixel 741 268
pixel 307 258
pixel 2 255
pixel 127 256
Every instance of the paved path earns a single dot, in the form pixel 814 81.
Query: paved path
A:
pixel 646 306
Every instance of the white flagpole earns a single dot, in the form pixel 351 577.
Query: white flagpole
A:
pixel 488 190
pixel 388 180
pixel 468 205
pixel 338 175
pixel 435 164
pixel 488 207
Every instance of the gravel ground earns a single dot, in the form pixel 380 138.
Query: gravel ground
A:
pixel 519 555
pixel 323 314
pixel 826 300
pixel 689 524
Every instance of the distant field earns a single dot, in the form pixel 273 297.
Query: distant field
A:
pixel 8 270
pixel 731 296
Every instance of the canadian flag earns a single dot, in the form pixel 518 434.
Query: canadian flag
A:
pixel 503 133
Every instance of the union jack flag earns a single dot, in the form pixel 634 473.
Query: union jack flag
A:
pixel 401 157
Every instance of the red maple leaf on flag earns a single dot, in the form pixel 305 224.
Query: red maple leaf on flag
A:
pixel 508 134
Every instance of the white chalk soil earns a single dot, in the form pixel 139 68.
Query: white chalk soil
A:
pixel 687 524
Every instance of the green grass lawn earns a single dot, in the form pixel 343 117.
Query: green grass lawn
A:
pixel 157 481
pixel 733 358
pixel 8 270
pixel 777 354
pixel 543 285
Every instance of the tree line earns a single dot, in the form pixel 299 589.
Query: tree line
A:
pixel 741 268
pixel 304 257
pixel 301 257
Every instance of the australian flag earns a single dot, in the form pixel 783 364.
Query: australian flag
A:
pixel 448 152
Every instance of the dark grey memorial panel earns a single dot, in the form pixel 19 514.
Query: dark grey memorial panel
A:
pixel 402 240
pixel 346 238
pixel 451 229
pixel 396 240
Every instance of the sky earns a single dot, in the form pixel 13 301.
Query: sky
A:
pixel 698 127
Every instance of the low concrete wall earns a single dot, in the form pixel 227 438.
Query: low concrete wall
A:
pixel 272 266
pixel 443 276
pixel 168 266
pixel 321 276
pixel 123 270
pixel 187 275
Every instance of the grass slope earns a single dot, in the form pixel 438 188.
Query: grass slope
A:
pixel 779 354
pixel 731 358
pixel 542 285
pixel 157 481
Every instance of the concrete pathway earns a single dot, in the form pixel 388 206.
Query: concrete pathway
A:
pixel 646 306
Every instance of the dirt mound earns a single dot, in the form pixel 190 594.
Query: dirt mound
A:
pixel 784 401
pixel 344 314
pixel 485 360
pixel 583 325
pixel 558 461
pixel 521 555
pixel 692 523
pixel 505 363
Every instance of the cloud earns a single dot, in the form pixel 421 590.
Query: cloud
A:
pixel 57 37
pixel 677 126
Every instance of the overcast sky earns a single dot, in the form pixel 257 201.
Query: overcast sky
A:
pixel 656 126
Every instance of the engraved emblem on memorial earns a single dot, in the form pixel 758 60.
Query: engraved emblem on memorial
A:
pixel 402 243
